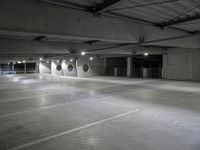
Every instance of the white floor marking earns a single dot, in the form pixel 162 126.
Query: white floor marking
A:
pixel 31 110
pixel 27 90
pixel 48 107
pixel 110 103
pixel 29 97
pixel 72 130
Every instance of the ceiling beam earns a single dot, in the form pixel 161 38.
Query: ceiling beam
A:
pixel 102 6
pixel 142 5
pixel 179 20
pixel 66 4
pixel 186 41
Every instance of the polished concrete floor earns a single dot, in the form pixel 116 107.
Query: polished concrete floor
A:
pixel 102 113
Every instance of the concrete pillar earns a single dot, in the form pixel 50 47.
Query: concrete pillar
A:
pixel 165 65
pixel 37 68
pixel 190 63
pixel 52 64
pixel 13 67
pixel 104 66
pixel 129 66
pixel 24 68
pixel 76 65
pixel 150 70
pixel 0 70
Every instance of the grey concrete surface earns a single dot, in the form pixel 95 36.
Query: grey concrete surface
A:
pixel 100 113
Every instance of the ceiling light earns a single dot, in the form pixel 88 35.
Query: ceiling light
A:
pixel 23 61
pixel 8 63
pixel 41 59
pixel 71 60
pixel 146 54
pixel 57 61
pixel 82 53
pixel 19 62
pixel 48 62
pixel 91 58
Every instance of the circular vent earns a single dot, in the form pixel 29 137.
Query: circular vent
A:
pixel 70 68
pixel 58 67
pixel 86 67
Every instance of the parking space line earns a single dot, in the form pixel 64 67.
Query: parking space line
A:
pixel 73 130
pixel 35 96
pixel 32 110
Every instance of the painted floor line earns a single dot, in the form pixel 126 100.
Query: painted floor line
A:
pixel 52 106
pixel 72 130
pixel 29 97
pixel 29 89
pixel 31 110
pixel 45 107
pixel 110 103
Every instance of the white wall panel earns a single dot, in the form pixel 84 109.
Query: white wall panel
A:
pixel 44 68
pixel 54 70
pixel 96 67
pixel 65 70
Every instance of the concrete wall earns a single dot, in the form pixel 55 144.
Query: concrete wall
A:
pixel 45 68
pixel 182 64
pixel 96 67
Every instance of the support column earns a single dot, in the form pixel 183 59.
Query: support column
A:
pixel 129 66
pixel 76 64
pixel 37 70
pixel 24 68
pixel 13 67
pixel 0 70
pixel 165 65
pixel 150 70
pixel 104 66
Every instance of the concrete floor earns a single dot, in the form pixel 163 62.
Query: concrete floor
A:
pixel 102 113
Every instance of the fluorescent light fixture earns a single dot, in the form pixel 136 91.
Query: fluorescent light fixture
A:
pixel 82 53
pixel 91 58
pixel 71 60
pixel 58 61
pixel 23 61
pixel 14 62
pixel 41 59
pixel 146 54
pixel 19 62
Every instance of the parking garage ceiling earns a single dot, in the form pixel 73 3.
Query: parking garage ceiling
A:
pixel 180 14
pixel 104 27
